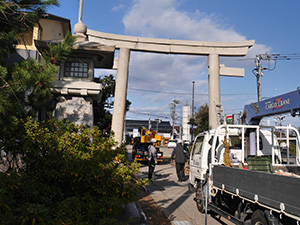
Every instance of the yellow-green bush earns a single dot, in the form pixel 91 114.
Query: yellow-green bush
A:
pixel 70 175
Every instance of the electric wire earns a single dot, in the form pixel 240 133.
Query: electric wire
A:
pixel 182 93
pixel 135 78
pixel 147 82
pixel 147 113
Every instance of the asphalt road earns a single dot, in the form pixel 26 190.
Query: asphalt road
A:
pixel 173 197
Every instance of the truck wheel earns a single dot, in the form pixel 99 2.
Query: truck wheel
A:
pixel 258 218
pixel 199 199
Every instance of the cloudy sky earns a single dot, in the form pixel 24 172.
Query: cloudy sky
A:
pixel 155 80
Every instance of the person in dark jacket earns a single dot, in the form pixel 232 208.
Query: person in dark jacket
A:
pixel 152 158
pixel 180 157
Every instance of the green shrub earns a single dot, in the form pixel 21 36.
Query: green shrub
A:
pixel 69 175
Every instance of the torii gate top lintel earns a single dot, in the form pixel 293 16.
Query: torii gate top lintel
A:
pixel 171 46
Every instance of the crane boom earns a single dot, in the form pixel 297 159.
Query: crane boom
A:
pixel 289 102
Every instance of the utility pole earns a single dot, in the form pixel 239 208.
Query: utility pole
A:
pixel 149 123
pixel 240 118
pixel 258 70
pixel 280 118
pixel 157 122
pixel 173 114
pixel 258 73
pixel 193 111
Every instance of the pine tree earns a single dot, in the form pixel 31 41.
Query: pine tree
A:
pixel 102 115
pixel 24 87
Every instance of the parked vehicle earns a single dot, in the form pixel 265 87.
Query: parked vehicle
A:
pixel 238 172
pixel 186 146
pixel 140 145
pixel 172 143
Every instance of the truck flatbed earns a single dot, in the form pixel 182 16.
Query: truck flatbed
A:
pixel 275 191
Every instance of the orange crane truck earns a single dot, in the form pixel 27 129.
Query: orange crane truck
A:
pixel 140 145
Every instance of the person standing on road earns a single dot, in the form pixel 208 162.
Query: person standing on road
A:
pixel 152 158
pixel 180 157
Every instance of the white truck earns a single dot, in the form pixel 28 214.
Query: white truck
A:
pixel 238 171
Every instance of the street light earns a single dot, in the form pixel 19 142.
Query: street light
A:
pixel 193 110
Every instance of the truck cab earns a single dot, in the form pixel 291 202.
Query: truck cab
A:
pixel 238 139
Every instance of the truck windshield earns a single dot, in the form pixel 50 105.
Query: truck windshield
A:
pixel 197 146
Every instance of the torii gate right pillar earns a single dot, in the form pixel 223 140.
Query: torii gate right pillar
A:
pixel 215 70
pixel 214 98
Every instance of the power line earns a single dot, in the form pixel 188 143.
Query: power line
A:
pixel 147 113
pixel 275 56
pixel 165 92
pixel 135 78
pixel 288 56
pixel 181 93
pixel 258 71
pixel 148 82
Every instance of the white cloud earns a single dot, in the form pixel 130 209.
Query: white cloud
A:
pixel 163 18
pixel 117 8
pixel 165 74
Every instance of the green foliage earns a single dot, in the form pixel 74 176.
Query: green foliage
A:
pixel 25 87
pixel 102 116
pixel 202 119
pixel 3 93
pixel 69 175
pixel 57 172
pixel 25 90
pixel 60 51
pixel 33 79
pixel 192 122
pixel 292 149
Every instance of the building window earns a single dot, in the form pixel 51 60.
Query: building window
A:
pixel 76 69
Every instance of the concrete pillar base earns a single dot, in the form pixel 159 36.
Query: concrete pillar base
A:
pixel 78 110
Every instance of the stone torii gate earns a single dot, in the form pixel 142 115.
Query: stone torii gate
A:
pixel 125 44
pixel 213 50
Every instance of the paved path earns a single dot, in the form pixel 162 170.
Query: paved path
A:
pixel 173 197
